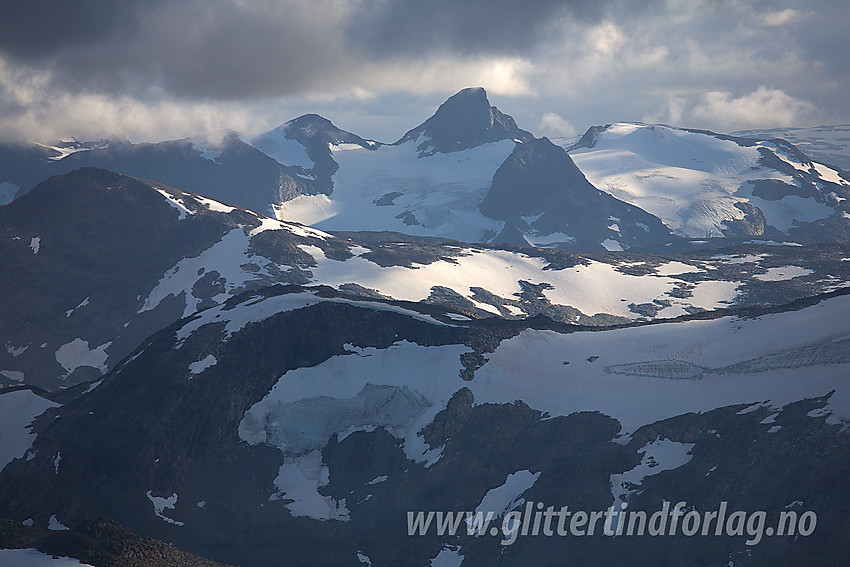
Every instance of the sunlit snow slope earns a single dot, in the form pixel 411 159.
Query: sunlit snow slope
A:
pixel 175 253
pixel 636 375
pixel 706 185
pixel 393 188
pixel 828 144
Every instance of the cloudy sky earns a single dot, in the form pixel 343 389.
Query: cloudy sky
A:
pixel 164 69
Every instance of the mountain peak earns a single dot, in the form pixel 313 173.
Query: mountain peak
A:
pixel 305 144
pixel 310 129
pixel 469 96
pixel 309 123
pixel 464 121
pixel 540 192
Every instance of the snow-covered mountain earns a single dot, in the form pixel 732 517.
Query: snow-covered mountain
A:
pixel 84 253
pixel 287 416
pixel 540 195
pixel 487 324
pixel 466 120
pixel 706 185
pixel 306 143
pixel 23 166
pixel 826 144
pixel 219 166
pixel 459 175
pixel 101 261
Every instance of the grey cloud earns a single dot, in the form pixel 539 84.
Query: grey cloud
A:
pixel 411 26
pixel 233 53
pixel 216 49
pixel 38 30
pixel 188 48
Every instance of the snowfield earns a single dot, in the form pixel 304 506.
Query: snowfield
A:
pixel 659 455
pixel 284 150
pixel 77 353
pixel 733 361
pixel 637 375
pixel 594 288
pixel 829 144
pixel 17 411
pixel 591 288
pixel 506 497
pixel 692 181
pixel 387 188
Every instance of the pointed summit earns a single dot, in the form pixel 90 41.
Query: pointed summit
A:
pixel 543 197
pixel 464 121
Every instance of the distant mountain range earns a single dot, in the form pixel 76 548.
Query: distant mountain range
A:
pixel 220 167
pixel 706 185
pixel 274 350
pixel 469 173
pixel 826 144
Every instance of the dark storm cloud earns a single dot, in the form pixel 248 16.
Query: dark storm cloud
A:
pixel 190 48
pixel 215 49
pixel 35 30
pixel 233 52
pixel 504 26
